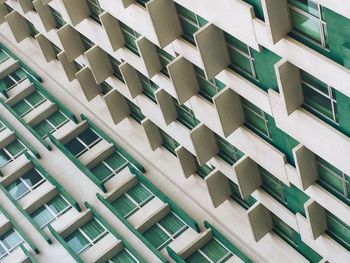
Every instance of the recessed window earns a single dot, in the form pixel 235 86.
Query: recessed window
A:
pixel 236 195
pixel 3 56
pixel 149 87
pixel 227 151
pixel 165 58
pixel 109 167
pixel 186 115
pixel 83 142
pixel 10 152
pixel 60 22
pixel 130 36
pixel 12 80
pixel 168 142
pixel 51 124
pixel 95 10
pixel 338 230
pixel 29 103
pixel 8 242
pixel 123 256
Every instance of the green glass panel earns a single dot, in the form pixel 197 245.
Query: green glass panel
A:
pixel 139 193
pixel 255 121
pixel 214 250
pixel 43 128
pixel 21 108
pixel 75 147
pixel 156 236
pixel 101 171
pixel 171 223
pixel 92 229
pixel 123 205
pixel 130 37
pixel 123 256
pixel 4 158
pixel 11 239
pixel 186 116
pixel 15 148
pixel 338 230
pixel 35 99
pixel 77 241
pixel 42 216
pixel 283 230
pixel 227 151
pixel 95 10
pixel 135 112
pixel 197 257
pixel 57 118
pixel 169 143
pixel 116 161
pixel 58 204
pixel 247 203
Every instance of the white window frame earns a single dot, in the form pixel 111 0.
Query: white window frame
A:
pixel 13 157
pixel 9 250
pixel 88 147
pixel 225 257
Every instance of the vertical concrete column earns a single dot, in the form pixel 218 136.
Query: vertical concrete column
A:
pixel 289 83
pixel 204 143
pixel 18 25
pixel 316 218
pixel 149 54
pixel 77 10
pixel 184 78
pixel 218 186
pixel 165 21
pixel 260 220
pixel 113 31
pixel 100 63
pixel 45 15
pixel 248 176
pixel 211 44
pixel 26 5
pixel 187 161
pixel 87 83
pixel 132 79
pixel 153 134
pixel 69 67
pixel 277 19
pixel 46 47
pixel 229 109
pixel 166 105
pixel 117 105
pixel 305 162
pixel 71 42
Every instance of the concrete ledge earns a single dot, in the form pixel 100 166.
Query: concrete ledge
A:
pixel 18 25
pixel 46 47
pixel 187 161
pixel 8 66
pixel 132 79
pixel 316 218
pixel 87 83
pixel 149 217
pixel 218 187
pixel 260 220
pixel 113 31
pixel 100 63
pixel 149 55
pixel 71 42
pixel 77 10
pixel 166 105
pixel 117 106
pixel 45 15
pixel 152 133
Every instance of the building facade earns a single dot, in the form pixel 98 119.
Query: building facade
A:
pixel 174 131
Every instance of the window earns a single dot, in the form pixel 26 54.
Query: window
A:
pixel 332 179
pixel 142 2
pixel 87 43
pixel 2 126
pixel 273 186
pixel 32 29
pixel 105 87
pixel 109 167
pixel 308 22
pixel 169 143
pixel 11 152
pixel 86 236
pixel 123 256
pixel 51 124
pixel 12 79
pixel 83 142
pixel 130 36
pixel 165 58
pixel 149 88
pixel 186 115
pixel 240 56
pixel 29 103
pixel 165 231
pixel 135 112
pixel 58 18
pixel 3 56
pixel 236 195
pixel 212 252
pixel 133 200
pixel 95 10
pixel 338 230
pixel 50 211
pixel 25 184
pixel 190 23
pixel 203 170
pixel 319 98
pixel 227 151
pixel 255 119
pixel 116 71
pixel 208 89
pixel 8 242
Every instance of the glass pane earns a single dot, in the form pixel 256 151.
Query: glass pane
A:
pixel 2 251
pixel 35 98
pixel 21 108
pixel 42 216
pixel 123 257
pixel 330 178
pixel 77 241
pixel 214 250
pixel 88 136
pixel 101 171
pixel 171 223
pixel 43 128
pixel 156 236
pixel 116 161
pixel 75 147
pixel 4 158
pixel 11 239
pixel 240 62
pixel 339 230
pixel 92 229
pixel 197 257
pixel 32 177
pixel 17 189
pixel 57 118
pixel 139 193
pixel 123 205
pixel 58 204
pixel 15 148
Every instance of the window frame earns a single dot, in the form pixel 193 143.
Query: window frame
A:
pixel 8 251
pixel 32 107
pixel 13 157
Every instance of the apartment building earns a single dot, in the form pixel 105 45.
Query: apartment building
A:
pixel 174 131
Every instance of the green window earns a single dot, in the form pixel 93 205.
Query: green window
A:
pixel 133 200
pixel 3 56
pixel 255 119
pixel 83 142
pixel 149 88
pixel 32 29
pixel 51 124
pixel 332 179
pixel 123 256
pixel 11 152
pixel 86 236
pixel 165 58
pixel 203 170
pixel 130 36
pixel 116 70
pixel 212 252
pixel 241 57
pixel 50 211
pixel 190 23
pixel 8 242
pixel 142 2
pixel 87 43
pixel 207 88
pixel 169 143
pixel 28 182
pixel 186 116
pixel 236 195
pixel 109 167
pixel 308 22
pixel 13 79
pixel 258 10
pixel 58 18
pixel 95 10
pixel 319 98
pixel 135 112
pixel 2 126
pixel 165 231
pixel 227 151
pixel 338 230
pixel 105 87
pixel 29 103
